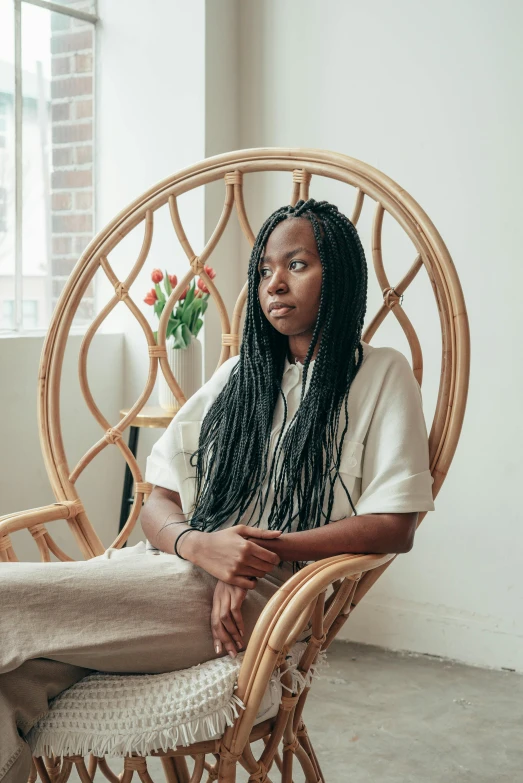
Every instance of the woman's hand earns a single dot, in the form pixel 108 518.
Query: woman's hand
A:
pixel 226 618
pixel 231 555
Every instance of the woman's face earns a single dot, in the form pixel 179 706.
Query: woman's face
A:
pixel 290 273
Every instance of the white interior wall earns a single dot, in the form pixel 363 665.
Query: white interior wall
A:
pixel 150 123
pixel 222 134
pixel 428 93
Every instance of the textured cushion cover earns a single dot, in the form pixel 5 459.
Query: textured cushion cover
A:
pixel 117 714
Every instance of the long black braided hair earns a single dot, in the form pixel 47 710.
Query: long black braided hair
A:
pixel 233 448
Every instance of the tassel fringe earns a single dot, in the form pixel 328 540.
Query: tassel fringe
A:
pixel 47 743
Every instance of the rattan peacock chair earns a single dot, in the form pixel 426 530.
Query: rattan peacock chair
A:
pixel 323 593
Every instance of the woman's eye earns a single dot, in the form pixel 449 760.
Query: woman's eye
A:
pixel 266 268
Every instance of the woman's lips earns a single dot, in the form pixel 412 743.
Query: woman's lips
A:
pixel 277 311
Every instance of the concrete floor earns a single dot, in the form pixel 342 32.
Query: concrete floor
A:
pixel 375 715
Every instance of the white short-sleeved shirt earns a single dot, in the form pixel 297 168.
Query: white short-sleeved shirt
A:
pixel 384 460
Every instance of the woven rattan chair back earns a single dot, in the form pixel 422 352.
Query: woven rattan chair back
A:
pixel 303 166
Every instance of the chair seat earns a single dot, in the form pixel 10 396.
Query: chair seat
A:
pixel 118 714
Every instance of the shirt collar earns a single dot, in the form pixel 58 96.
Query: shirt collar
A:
pixel 298 364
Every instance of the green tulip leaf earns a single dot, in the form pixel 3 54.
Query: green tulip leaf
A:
pixel 187 335
pixel 159 293
pixel 172 326
pixel 190 296
pixel 187 313
pixel 179 341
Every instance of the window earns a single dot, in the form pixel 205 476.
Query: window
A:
pixel 46 155
pixel 29 312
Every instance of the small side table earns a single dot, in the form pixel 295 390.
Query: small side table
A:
pixel 151 416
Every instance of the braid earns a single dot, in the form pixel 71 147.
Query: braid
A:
pixel 242 413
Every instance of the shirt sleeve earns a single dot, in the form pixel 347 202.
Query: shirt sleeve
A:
pixel 160 467
pixel 166 465
pixel 396 473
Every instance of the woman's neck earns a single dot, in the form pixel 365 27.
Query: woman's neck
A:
pixel 298 346
pixel 295 356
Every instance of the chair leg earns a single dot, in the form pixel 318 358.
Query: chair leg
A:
pixel 182 770
pixel 169 769
pixel 42 770
pixel 175 769
pixel 227 771
pixel 106 771
pixel 303 737
pixel 92 765
pixel 52 764
pixel 277 758
pixel 81 769
pixel 58 769
pixel 33 774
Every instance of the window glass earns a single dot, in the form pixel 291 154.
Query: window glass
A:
pixel 57 159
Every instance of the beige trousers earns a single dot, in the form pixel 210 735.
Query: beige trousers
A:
pixel 128 610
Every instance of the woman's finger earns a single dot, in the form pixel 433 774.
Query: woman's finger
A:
pixel 224 633
pixel 259 552
pixel 230 626
pixel 215 624
pixel 237 616
pixel 221 603
pixel 227 641
pixel 245 582
pixel 257 532
pixel 221 611
pixel 246 569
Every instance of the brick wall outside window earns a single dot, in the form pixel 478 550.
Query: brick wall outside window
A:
pixel 72 139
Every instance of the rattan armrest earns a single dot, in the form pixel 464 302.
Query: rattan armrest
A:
pixel 348 565
pixel 21 520
pixel 276 624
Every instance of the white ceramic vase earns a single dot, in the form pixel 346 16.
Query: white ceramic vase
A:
pixel 186 366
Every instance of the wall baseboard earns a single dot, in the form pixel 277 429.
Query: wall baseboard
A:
pixel 441 631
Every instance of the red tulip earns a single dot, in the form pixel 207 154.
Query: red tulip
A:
pixel 173 281
pixel 157 276
pixel 210 271
pixel 201 285
pixel 151 297
pixel 184 294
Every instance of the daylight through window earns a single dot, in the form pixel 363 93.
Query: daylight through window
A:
pixel 47 148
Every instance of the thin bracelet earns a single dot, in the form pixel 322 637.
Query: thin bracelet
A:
pixel 187 530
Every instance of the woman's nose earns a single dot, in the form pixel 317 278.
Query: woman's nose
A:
pixel 277 282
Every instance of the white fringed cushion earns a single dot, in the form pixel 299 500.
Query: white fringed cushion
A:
pixel 117 714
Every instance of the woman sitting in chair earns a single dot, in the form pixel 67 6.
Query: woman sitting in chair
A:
pixel 260 471
pixel 305 423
